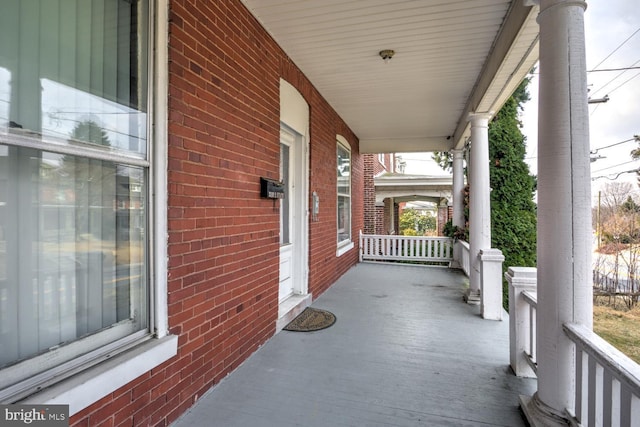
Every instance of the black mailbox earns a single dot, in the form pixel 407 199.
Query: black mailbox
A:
pixel 271 189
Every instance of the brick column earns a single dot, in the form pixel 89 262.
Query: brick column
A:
pixel 369 195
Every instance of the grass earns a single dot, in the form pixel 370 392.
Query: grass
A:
pixel 621 328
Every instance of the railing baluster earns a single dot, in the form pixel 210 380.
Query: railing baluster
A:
pixel 606 397
pixel 579 384
pixel 532 334
pixel 592 391
pixel 625 406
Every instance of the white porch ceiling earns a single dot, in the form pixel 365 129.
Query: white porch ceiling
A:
pixel 452 57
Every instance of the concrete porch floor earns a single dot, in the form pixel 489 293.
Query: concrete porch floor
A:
pixel 405 351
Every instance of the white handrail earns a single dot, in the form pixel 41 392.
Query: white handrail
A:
pixel 376 247
pixel 607 381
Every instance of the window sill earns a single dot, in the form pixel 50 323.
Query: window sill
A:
pixel 344 248
pixel 91 385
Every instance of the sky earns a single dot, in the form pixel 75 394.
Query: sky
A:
pixel 612 37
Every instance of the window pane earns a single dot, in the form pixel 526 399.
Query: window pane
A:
pixel 72 251
pixel 344 218
pixel 344 193
pixel 70 68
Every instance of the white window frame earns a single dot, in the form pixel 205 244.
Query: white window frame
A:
pixel 93 376
pixel 344 246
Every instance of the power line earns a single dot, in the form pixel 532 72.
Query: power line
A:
pixel 635 138
pixel 615 166
pixel 613 79
pixel 614 69
pixel 616 175
pixel 627 81
pixel 616 49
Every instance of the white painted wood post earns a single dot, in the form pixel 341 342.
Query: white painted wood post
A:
pixel 564 207
pixel 479 200
pixel 520 279
pixel 491 273
pixel 458 200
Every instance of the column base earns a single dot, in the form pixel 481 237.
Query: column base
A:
pixel 472 297
pixel 538 414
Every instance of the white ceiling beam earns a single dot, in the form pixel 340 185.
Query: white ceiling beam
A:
pixel 494 85
pixel 404 145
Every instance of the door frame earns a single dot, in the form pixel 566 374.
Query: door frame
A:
pixel 299 214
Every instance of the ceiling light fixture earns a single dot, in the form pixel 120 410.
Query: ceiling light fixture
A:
pixel 386 55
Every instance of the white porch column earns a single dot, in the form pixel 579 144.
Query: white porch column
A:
pixel 564 205
pixel 458 198
pixel 479 200
pixel 458 188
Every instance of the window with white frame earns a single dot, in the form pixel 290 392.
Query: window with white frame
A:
pixel 75 172
pixel 344 190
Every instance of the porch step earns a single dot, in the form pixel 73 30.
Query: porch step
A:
pixel 290 308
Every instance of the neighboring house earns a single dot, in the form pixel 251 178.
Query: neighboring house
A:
pixel 178 178
pixel 379 216
pixel 388 189
pixel 394 190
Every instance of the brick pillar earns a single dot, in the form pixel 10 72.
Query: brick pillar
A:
pixel 369 195
pixel 379 225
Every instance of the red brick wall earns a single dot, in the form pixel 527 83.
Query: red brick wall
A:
pixel 223 238
pixel 386 167
pixel 380 219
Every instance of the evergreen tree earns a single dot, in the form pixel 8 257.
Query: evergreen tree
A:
pixel 513 212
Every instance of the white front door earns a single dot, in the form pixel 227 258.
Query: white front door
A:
pixel 293 215
pixel 287 231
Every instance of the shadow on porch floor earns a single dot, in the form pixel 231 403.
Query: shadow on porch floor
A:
pixel 405 351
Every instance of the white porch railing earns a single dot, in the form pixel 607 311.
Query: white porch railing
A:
pixel 465 259
pixel 607 382
pixel 375 247
pixel 531 348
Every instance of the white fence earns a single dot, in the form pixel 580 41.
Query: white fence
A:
pixel 375 247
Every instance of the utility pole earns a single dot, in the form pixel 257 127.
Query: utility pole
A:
pixel 598 225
